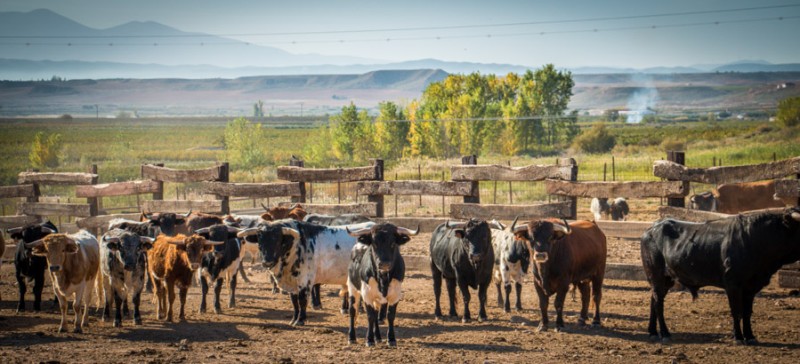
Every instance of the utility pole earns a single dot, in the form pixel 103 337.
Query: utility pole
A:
pixel 301 109
pixel 96 112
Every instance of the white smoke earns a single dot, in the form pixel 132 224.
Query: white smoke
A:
pixel 643 100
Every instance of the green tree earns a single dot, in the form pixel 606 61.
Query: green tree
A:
pixel 553 90
pixel 353 135
pixel 788 112
pixel 595 140
pixel 243 143
pixel 45 151
pixel 258 109
pixel 391 131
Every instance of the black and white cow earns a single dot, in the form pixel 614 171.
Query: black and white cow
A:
pixel 511 262
pixel 302 254
pixel 618 209
pixel 220 264
pixel 30 267
pixel 376 274
pixel 123 257
pixel 462 253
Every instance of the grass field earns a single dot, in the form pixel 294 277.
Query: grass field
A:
pixel 119 147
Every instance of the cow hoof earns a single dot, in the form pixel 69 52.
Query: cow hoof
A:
pixel 666 340
pixel 438 317
pixel 381 322
pixel 465 320
pixel 483 318
pixel 738 342
pixel 507 310
pixel 117 323
pixel 299 323
pixel 342 311
pixel 61 330
pixel 654 338
pixel 596 324
pixel 317 307
pixel 137 322
pixel 392 343
pixel 77 330
pixel 217 311
pixel 202 310
pixel 541 328
pixel 370 344
pixel 752 341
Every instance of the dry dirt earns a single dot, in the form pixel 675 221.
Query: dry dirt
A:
pixel 257 329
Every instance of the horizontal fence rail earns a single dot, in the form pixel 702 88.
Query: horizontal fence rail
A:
pixel 727 174
pixel 496 172
pixel 617 189
pixel 57 178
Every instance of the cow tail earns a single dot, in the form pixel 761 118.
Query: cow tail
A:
pixel 98 289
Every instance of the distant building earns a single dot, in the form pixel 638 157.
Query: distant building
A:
pixel 785 85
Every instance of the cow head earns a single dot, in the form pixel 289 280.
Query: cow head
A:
pixel 232 220
pixel 127 247
pixel 619 209
pixel 296 212
pixel 384 242
pixel 218 233
pixel 274 239
pixel 519 251
pixel 475 237
pixel 32 232
pixel 55 248
pixel 194 247
pixel 542 235
pixel 705 201
pixel 166 221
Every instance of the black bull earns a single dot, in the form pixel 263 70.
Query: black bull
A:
pixel 739 254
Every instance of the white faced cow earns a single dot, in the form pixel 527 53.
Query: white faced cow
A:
pixel 123 256
pixel 511 262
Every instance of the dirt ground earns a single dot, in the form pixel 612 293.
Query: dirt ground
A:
pixel 257 329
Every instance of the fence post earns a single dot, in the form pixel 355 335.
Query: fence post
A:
pixel 94 202
pixel 302 198
pixel 377 199
pixel 156 195
pixel 36 194
pixel 680 158
pixel 573 176
pixel 224 176
pixel 476 193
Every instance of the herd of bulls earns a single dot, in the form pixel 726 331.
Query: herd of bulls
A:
pixel 301 252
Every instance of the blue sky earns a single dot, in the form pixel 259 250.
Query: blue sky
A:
pixel 573 44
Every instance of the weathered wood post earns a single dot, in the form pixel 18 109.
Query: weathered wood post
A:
pixel 573 176
pixel 377 199
pixel 156 195
pixel 224 176
pixel 302 198
pixel 34 197
pixel 475 189
pixel 680 158
pixel 94 202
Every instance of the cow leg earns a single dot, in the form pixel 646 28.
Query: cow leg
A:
pixel 78 308
pixel 22 288
pixel 543 303
pixel 518 287
pixel 275 289
pixel 585 295
pixel 302 300
pixel 137 300
pixel 465 295
pixel 451 295
pixel 38 287
pixel 377 325
pixel 217 293
pixel 561 295
pixel 161 300
pixel 659 311
pixel 390 334
pixel 747 311
pixel 437 290
pixel 204 291
pixel 232 288
pixel 372 319
pixel 126 312
pixel 242 272
pixel 62 306
pixel 499 294
pixel 735 303
pixel 597 295
pixel 118 306
pixel 507 304
pixel 106 298
pixel 382 314
pixel 352 310
pixel 183 292
pixel 296 307
pixel 316 300
pixel 483 292
pixel 345 306
pixel 171 300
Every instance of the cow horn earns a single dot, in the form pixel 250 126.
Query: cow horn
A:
pixel 147 215
pixel 519 229
pixel 796 215
pixel 146 239
pixel 494 224
pixel 514 224
pixel 563 228
pixel 177 242
pixel 233 229
pixel 110 239
pixel 247 232
pixel 404 231
pixel 34 243
pixel 187 214
pixel 357 233
pixel 213 242
pixel 265 207
pixel 15 230
pixel 204 230
pixel 48 230
pixel 456 225
pixel 289 231
pixel 297 205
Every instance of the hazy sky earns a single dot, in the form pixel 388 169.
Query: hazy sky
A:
pixel 381 29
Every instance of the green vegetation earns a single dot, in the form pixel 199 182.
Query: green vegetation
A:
pixel 244 143
pixel 788 112
pixel 595 140
pixel 45 151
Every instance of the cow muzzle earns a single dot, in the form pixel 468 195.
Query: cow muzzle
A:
pixel 384 268
pixel 475 259
pixel 195 266
pixel 268 264
pixel 128 267
pixel 55 268
pixel 540 257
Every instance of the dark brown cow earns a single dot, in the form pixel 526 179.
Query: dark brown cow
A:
pixel 199 220
pixel 565 254
pixel 174 260
pixel 295 212
pixel 737 197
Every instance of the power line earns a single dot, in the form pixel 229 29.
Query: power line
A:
pixel 444 27
pixel 419 38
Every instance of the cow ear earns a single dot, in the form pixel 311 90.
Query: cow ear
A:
pixel 147 246
pixel 365 239
pixel 154 221
pixel 180 220
pixel 70 247
pixel 459 233
pixel 558 235
pixel 402 239
pixel 266 216
pixel 39 251
pixel 112 245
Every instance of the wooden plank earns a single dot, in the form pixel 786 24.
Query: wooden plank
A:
pixel 207 206
pixel 468 210
pixel 298 174
pixel 251 190
pixel 17 191
pixel 101 222
pixel 627 272
pixel 410 187
pixel 163 174
pixel 788 279
pixel 727 174
pixel 8 222
pixel 787 190
pixel 366 209
pixel 426 224
pixel 617 189
pixel 117 189
pixel 53 178
pixel 61 209
pixel 684 214
pixel 624 229
pixel 495 172
pixel 795 265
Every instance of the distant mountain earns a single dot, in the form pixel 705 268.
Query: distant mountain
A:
pixel 758 67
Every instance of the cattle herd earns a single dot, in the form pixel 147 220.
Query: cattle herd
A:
pixel 361 257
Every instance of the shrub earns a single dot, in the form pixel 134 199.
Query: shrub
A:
pixel 672 144
pixel 788 112
pixel 243 141
pixel 44 152
pixel 595 140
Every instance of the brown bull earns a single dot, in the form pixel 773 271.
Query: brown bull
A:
pixel 737 197
pixel 296 212
pixel 565 254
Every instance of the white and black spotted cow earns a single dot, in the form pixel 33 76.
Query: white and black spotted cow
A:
pixel 220 264
pixel 376 275
pixel 122 264
pixel 301 254
pixel 511 262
